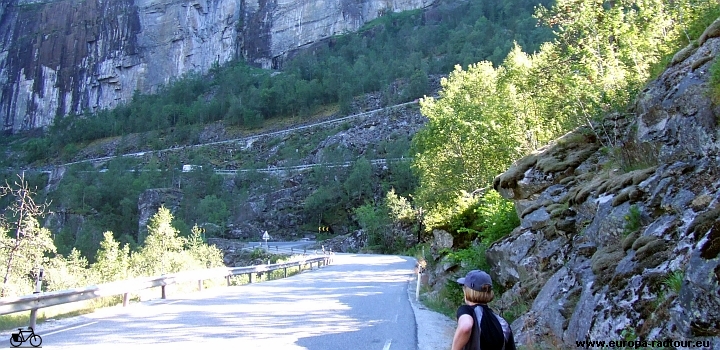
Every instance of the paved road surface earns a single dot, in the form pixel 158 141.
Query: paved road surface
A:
pixel 359 302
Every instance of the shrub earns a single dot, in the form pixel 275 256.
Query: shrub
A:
pixel 633 220
pixel 497 217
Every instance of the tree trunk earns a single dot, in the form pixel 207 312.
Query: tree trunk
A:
pixel 8 269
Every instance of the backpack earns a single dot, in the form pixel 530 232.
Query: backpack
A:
pixel 504 328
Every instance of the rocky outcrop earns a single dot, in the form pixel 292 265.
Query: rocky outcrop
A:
pixel 621 241
pixel 62 56
pixel 277 28
pixel 276 200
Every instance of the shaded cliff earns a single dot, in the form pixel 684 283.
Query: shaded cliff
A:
pixel 619 222
pixel 65 56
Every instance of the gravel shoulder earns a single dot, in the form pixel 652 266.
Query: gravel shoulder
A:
pixel 434 330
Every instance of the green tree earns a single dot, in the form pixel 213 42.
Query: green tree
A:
pixel 206 256
pixel 471 134
pixel 68 272
pixel 375 222
pixel 359 182
pixel 162 250
pixel 23 243
pixel 486 117
pixel 112 262
pixel 213 209
pixel 400 209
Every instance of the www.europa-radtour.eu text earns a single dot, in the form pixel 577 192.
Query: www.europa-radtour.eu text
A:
pixel 637 344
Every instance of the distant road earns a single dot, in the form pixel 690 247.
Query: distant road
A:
pixel 243 139
pixel 48 169
pixel 281 247
pixel 360 302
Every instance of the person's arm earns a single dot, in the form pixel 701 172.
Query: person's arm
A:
pixel 463 331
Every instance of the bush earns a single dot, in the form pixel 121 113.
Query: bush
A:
pixel 497 217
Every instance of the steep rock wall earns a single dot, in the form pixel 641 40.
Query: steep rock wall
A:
pixel 66 56
pixel 619 224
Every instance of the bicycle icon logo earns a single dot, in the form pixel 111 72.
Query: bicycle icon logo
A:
pixel 16 339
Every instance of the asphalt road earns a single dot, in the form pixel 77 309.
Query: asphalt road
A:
pixel 358 302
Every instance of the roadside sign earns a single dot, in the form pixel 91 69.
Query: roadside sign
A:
pixel 266 236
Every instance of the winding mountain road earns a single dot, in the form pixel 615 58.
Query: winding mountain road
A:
pixel 359 302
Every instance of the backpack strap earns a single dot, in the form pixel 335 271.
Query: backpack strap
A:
pixel 478 315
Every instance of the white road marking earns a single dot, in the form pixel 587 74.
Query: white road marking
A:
pixel 387 344
pixel 69 329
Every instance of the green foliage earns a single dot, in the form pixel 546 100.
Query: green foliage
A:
pixel 496 217
pixel 24 245
pixel 405 47
pixel 400 209
pixel 674 281
pixel 360 181
pixel 68 272
pixel 205 256
pixel 258 253
pixel 162 249
pixel 321 202
pixel 693 17
pixel 450 157
pixel 36 149
pixel 473 258
pixel 451 294
pixel 715 81
pixel 375 222
pixel 112 262
pixel 213 209
pixel 446 301
pixel 633 220
pixel 488 116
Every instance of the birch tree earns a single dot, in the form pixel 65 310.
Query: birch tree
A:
pixel 23 243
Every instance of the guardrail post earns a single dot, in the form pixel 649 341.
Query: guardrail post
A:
pixel 250 277
pixel 33 318
pixel 285 272
pixel 228 280
pixel 126 298
pixel 33 312
pixel 163 292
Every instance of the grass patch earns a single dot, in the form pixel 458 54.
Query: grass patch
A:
pixel 715 82
pixel 674 281
pixel 22 319
pixel 632 220
pixel 446 301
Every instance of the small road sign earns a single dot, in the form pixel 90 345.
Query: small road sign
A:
pixel 266 236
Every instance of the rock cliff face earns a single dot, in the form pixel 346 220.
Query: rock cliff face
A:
pixel 66 56
pixel 620 224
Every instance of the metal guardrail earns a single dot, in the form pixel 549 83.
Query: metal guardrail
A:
pixel 36 301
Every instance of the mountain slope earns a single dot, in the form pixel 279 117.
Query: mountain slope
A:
pixel 618 235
